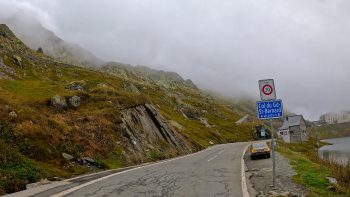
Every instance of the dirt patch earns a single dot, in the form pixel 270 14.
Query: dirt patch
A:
pixel 259 177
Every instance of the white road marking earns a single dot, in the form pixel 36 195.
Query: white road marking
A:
pixel 63 193
pixel 244 181
pixel 244 186
pixel 221 152
pixel 212 158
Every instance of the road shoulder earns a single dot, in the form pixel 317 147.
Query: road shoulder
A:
pixel 259 177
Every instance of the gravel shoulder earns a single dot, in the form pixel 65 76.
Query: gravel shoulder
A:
pixel 259 177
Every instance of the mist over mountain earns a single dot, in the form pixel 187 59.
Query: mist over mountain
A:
pixel 224 46
pixel 29 29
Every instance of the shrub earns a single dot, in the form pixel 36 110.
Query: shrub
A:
pixel 155 155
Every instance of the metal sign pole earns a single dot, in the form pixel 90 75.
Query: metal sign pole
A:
pixel 273 156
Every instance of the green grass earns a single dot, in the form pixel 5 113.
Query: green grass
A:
pixel 311 172
pixel 114 160
pixel 155 155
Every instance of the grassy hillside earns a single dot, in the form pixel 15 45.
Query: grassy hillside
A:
pixel 330 131
pixel 34 132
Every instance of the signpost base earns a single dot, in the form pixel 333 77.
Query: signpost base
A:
pixel 273 156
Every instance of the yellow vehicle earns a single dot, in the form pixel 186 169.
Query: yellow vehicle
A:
pixel 259 149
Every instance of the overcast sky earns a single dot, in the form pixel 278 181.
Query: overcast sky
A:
pixel 225 45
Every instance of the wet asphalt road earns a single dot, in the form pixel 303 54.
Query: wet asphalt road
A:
pixel 213 172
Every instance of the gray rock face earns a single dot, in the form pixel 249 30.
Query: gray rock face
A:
pixel 159 77
pixel 6 69
pixel 74 101
pixel 67 156
pixel 88 160
pixel 75 86
pixel 59 102
pixel 17 60
pixel 191 113
pixel 145 127
pixel 130 87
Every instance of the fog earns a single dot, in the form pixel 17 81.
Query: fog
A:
pixel 225 46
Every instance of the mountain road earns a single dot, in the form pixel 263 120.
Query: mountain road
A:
pixel 213 172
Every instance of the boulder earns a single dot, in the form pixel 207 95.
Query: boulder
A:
pixel 67 156
pixel 88 160
pixel 17 60
pixel 74 101
pixel 58 102
pixel 40 50
pixel 204 121
pixel 13 114
pixel 75 86
pixel 190 113
pixel 332 180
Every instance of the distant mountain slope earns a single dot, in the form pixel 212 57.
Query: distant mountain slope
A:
pixel 159 77
pixel 34 35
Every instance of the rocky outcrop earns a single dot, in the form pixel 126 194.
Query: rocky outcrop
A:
pixel 130 87
pixel 6 70
pixel 59 102
pixel 159 77
pixel 75 86
pixel 74 102
pixel 146 128
pixel 63 103
pixel 13 114
pixel 17 60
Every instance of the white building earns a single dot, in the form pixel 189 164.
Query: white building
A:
pixel 293 129
pixel 333 118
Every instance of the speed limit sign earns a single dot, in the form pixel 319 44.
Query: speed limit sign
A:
pixel 267 89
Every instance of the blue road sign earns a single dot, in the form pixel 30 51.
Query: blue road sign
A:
pixel 269 109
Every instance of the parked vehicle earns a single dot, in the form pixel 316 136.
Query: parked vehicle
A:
pixel 259 149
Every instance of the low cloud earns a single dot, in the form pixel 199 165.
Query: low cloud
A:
pixel 226 46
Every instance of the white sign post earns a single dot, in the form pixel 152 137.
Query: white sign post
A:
pixel 267 110
pixel 267 90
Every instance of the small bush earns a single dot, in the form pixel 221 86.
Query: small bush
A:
pixel 155 155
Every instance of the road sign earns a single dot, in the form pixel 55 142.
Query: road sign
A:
pixel 269 109
pixel 267 90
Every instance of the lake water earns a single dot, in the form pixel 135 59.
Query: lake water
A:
pixel 339 151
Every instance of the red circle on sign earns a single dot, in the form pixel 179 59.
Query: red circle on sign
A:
pixel 267 89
